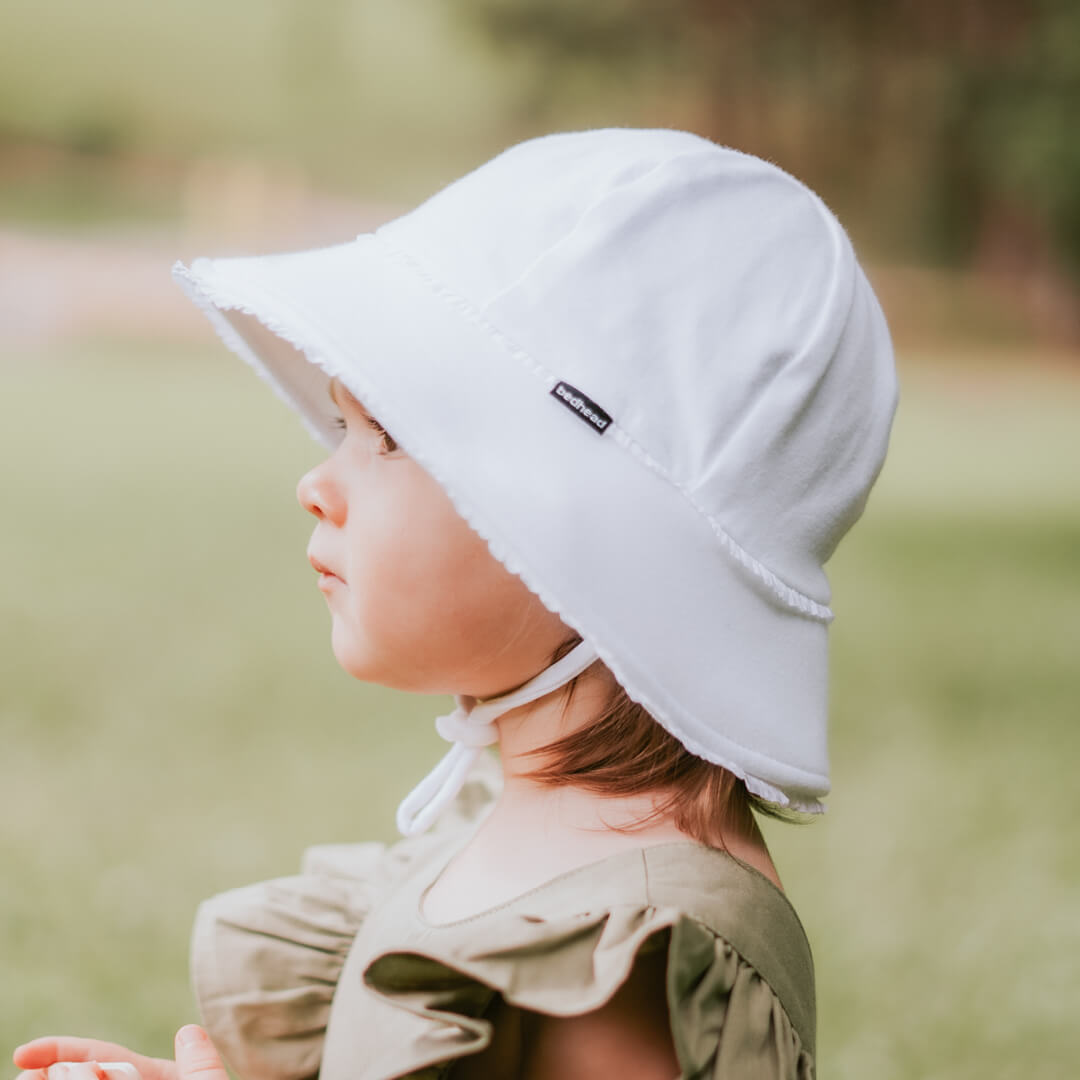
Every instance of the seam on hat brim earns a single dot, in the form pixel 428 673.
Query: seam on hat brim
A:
pixel 297 331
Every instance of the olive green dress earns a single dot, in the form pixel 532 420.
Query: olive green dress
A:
pixel 335 972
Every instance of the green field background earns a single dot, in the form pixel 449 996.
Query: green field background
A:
pixel 174 722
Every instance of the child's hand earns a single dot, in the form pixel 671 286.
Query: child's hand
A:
pixel 195 1058
pixel 36 1057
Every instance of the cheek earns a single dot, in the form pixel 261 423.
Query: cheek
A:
pixel 425 602
pixel 423 580
pixel 424 574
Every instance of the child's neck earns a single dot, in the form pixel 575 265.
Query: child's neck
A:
pixel 559 827
pixel 536 832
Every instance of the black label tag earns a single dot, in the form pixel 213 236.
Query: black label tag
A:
pixel 581 406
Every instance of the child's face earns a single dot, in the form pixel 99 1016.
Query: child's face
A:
pixel 417 600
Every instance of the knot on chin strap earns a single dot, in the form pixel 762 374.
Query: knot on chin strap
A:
pixel 470 727
pixel 457 727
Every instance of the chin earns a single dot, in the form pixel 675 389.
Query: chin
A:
pixel 394 665
pixel 356 658
pixel 353 660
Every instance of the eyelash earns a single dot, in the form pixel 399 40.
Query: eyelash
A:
pixel 389 445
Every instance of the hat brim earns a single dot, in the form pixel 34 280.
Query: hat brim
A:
pixel 584 518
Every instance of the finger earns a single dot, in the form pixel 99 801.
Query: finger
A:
pixel 43 1052
pixel 196 1058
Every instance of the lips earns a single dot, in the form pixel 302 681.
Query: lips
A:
pixel 321 567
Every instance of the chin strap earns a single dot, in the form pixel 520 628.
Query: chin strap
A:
pixel 471 727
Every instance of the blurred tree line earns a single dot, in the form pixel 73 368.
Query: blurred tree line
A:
pixel 944 134
pixel 948 130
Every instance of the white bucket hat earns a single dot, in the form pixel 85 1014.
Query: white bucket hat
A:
pixel 649 371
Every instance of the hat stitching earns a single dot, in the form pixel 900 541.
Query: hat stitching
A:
pixel 787 594
pixel 213 300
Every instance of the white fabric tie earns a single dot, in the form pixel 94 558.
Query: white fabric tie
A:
pixel 471 727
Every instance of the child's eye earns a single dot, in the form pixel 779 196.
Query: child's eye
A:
pixel 389 445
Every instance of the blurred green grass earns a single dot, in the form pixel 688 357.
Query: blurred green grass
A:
pixel 174 722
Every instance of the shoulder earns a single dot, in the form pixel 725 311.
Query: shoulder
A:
pixel 728 907
pixel 675 955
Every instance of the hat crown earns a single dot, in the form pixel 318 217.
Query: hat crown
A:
pixel 705 299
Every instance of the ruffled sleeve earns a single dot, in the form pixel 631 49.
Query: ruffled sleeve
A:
pixel 744 1010
pixel 266 958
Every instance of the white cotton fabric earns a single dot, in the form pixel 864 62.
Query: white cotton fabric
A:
pixel 713 308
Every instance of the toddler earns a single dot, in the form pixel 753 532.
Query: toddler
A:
pixel 598 412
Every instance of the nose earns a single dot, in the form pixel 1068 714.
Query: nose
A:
pixel 319 495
